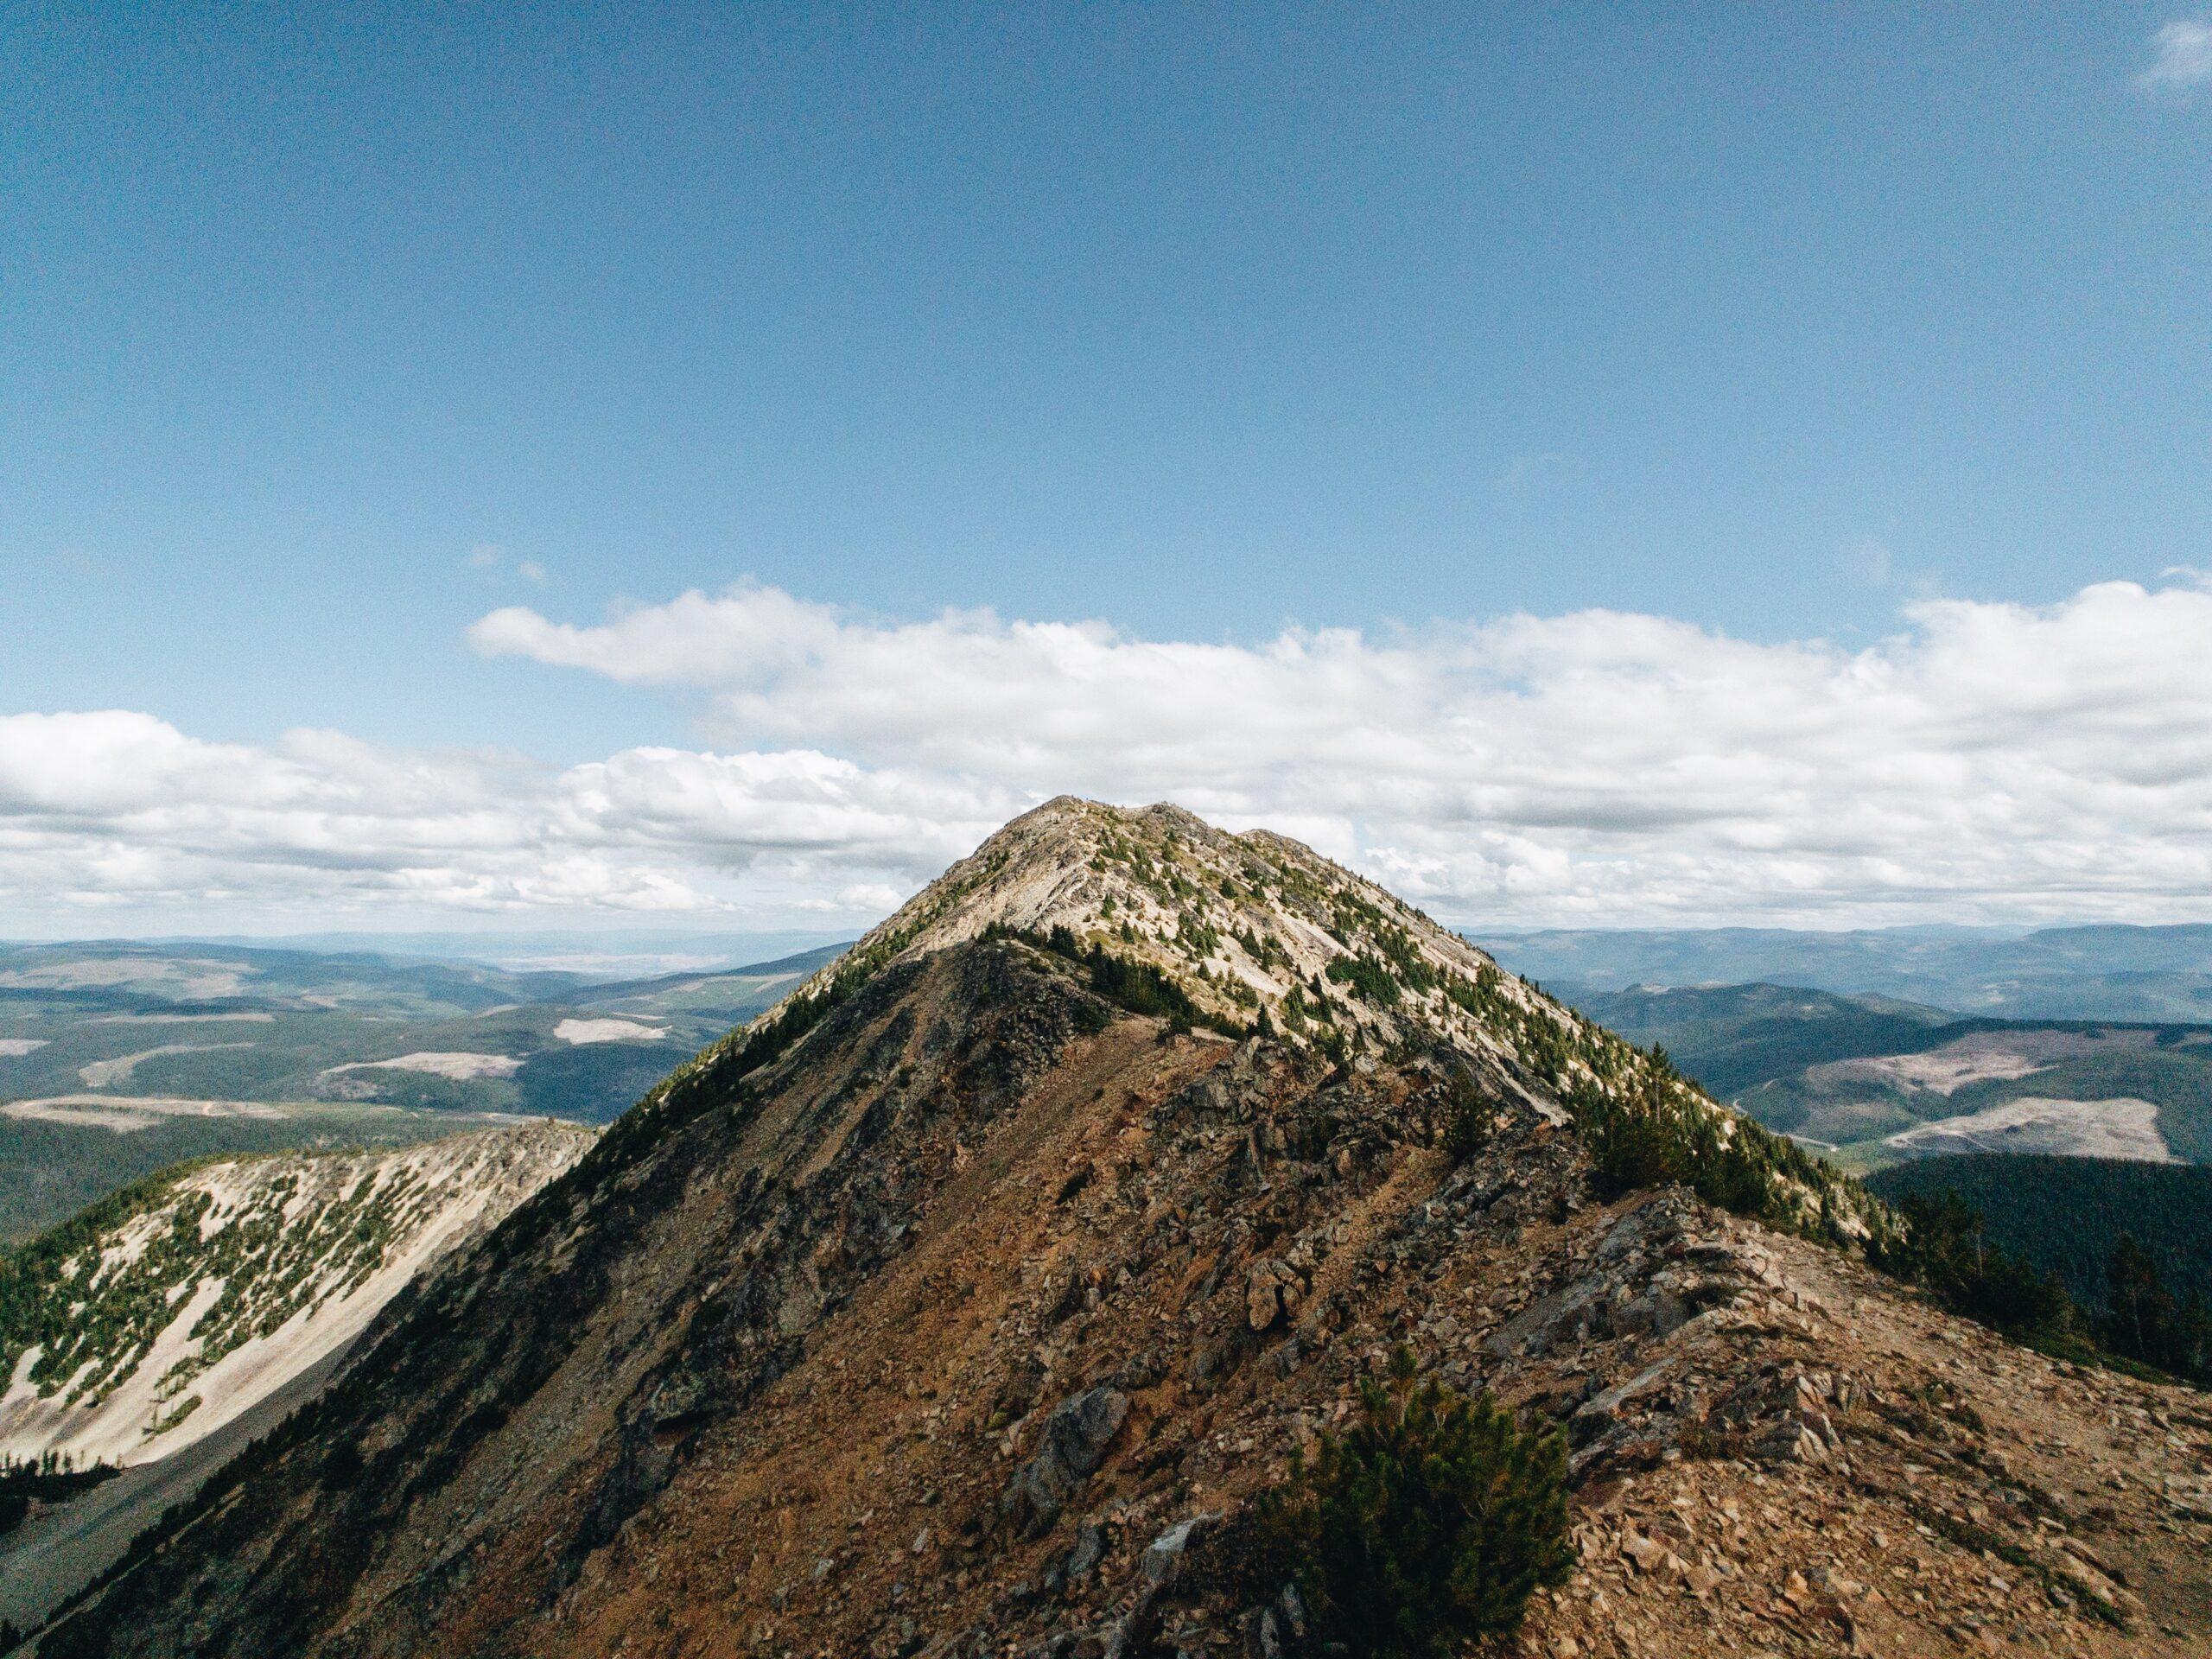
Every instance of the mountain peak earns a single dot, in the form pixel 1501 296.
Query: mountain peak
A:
pixel 1242 924
pixel 1263 934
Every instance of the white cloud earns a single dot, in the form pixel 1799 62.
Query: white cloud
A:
pixel 489 555
pixel 867 898
pixel 119 810
pixel 2184 59
pixel 1989 760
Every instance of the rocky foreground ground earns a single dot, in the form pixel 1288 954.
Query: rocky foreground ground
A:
pixel 1774 1450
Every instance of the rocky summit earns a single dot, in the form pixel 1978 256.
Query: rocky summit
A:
pixel 964 1303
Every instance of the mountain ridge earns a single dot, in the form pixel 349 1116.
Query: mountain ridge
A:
pixel 2090 971
pixel 1264 935
pixel 957 1307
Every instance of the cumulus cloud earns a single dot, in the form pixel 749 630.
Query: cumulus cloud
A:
pixel 1989 760
pixel 118 810
pixel 2182 57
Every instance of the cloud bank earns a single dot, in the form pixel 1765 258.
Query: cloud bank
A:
pixel 116 811
pixel 1989 761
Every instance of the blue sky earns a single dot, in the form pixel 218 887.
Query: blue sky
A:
pixel 323 337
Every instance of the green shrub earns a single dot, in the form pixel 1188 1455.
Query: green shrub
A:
pixel 1428 1526
pixel 1470 1121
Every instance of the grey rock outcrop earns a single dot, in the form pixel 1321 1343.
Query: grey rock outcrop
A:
pixel 1073 1444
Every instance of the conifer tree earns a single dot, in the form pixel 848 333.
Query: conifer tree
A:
pixel 1428 1526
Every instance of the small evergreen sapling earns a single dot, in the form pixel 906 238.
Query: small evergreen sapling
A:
pixel 1470 1121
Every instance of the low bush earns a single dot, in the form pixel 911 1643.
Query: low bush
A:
pixel 1426 1528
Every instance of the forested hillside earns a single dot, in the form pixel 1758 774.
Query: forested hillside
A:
pixel 2066 1214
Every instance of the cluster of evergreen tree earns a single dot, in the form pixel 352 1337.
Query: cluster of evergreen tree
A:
pixel 2145 1322
pixel 2095 1257
pixel 1943 1245
pixel 1137 986
pixel 1369 976
pixel 2066 1214
pixel 1652 1129
pixel 51 1477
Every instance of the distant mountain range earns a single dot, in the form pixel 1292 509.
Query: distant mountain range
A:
pixel 1876 1081
pixel 596 953
pixel 119 1058
pixel 2160 974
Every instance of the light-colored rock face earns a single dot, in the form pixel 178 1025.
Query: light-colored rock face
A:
pixel 1240 922
pixel 219 1286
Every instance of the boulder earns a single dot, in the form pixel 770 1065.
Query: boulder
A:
pixel 1163 1557
pixel 1089 1549
pixel 1073 1444
pixel 1273 1290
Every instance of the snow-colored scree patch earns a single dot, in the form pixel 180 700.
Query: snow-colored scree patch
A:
pixel 131 1112
pixel 460 1067
pixel 2122 1128
pixel 12 1047
pixel 249 1018
pixel 608 1031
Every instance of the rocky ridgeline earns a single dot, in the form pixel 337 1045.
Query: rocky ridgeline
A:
pixel 964 1312
pixel 1242 924
pixel 1259 933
